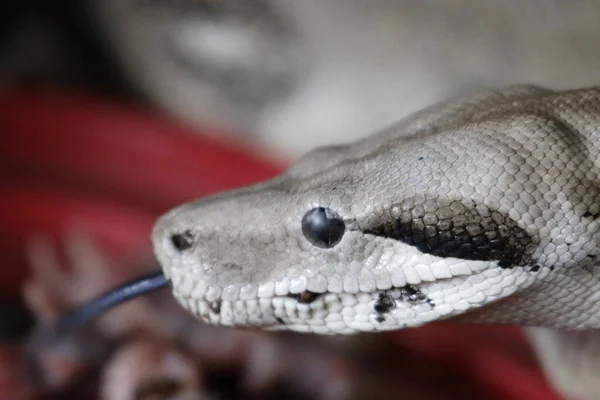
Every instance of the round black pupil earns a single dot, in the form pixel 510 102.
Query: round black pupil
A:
pixel 322 227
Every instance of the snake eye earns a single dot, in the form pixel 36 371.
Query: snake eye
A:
pixel 323 227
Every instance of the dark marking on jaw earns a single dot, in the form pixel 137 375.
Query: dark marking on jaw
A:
pixel 447 228
pixel 280 320
pixel 414 295
pixel 384 304
pixel 215 306
pixel 387 300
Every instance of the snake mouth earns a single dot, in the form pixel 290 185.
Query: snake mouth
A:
pixel 343 312
pixel 324 313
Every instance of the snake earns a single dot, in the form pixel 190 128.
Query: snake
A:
pixel 484 208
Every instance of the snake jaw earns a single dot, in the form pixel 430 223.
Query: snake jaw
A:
pixel 343 313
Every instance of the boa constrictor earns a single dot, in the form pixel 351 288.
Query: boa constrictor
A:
pixel 485 208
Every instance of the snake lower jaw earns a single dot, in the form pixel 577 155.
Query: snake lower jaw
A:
pixel 339 313
pixel 392 308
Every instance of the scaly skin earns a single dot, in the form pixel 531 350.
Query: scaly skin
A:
pixel 483 207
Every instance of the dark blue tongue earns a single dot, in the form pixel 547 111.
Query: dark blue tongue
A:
pixel 70 334
pixel 52 334
pixel 130 290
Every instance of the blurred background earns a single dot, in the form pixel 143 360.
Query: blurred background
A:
pixel 113 111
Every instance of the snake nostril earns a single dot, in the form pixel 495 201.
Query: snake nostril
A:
pixel 182 241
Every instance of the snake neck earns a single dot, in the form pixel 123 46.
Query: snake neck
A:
pixel 567 298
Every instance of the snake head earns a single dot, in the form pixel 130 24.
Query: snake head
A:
pixel 481 220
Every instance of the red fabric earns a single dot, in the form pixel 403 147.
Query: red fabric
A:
pixel 497 358
pixel 67 159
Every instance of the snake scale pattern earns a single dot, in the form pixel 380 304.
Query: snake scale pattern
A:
pixel 484 208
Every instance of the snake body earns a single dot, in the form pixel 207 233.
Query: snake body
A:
pixel 485 208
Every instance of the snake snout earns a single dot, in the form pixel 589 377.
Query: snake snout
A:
pixel 171 240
